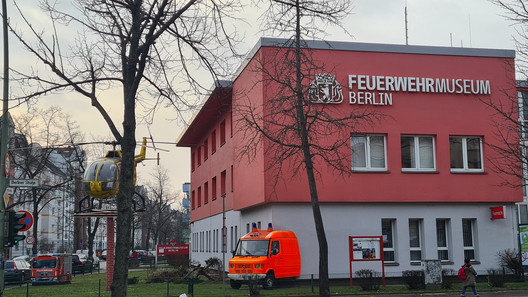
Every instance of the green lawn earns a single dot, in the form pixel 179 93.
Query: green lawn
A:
pixel 88 285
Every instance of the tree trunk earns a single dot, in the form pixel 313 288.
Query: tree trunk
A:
pixel 91 236
pixel 132 71
pixel 324 285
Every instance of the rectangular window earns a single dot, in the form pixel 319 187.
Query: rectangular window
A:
pixel 468 237
pixel 523 113
pixel 231 237
pixel 223 183
pixel 442 242
pixel 199 156
pixel 222 133
pixel 523 214
pixel 466 154
pixel 368 152
pixel 213 188
pixel 201 241
pixel 205 150
pixel 213 142
pixel 206 193
pixel 415 240
pixel 199 196
pixel 387 230
pixel 193 157
pixel 193 199
pixel 418 153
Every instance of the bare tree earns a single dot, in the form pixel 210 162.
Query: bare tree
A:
pixel 295 131
pixel 40 133
pixel 512 115
pixel 158 216
pixel 147 49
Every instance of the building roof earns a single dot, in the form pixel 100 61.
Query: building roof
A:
pixel 212 108
pixel 220 95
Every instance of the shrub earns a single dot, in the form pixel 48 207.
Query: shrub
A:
pixel 414 279
pixel 162 276
pixel 496 278
pixel 133 280
pixel 511 259
pixel 448 275
pixel 368 279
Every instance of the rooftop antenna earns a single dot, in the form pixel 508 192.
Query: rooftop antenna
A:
pixel 406 31
pixel 451 38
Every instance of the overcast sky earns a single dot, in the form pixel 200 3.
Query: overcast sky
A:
pixel 457 23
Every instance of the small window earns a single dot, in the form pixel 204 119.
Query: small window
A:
pixel 213 188
pixel 468 238
pixel 368 152
pixel 193 199
pixel 222 133
pixel 205 150
pixel 223 183
pixel 206 193
pixel 199 156
pixel 213 142
pixel 417 153
pixel 442 242
pixel 415 240
pixel 387 230
pixel 199 196
pixel 466 154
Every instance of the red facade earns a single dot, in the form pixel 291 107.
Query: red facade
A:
pixel 420 91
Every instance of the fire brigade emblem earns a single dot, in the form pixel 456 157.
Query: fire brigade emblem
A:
pixel 325 89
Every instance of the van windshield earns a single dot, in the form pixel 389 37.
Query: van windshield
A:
pixel 252 248
pixel 48 263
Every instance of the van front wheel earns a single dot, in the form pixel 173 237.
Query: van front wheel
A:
pixel 235 284
pixel 269 281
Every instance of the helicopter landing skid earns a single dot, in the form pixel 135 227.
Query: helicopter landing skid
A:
pixel 86 205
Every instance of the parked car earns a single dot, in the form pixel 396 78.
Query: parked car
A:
pixel 84 258
pixel 17 271
pixel 81 264
pixel 146 257
pixel 25 258
pixel 103 255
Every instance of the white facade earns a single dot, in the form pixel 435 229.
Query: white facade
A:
pixel 342 220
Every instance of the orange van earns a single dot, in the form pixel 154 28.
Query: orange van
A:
pixel 265 256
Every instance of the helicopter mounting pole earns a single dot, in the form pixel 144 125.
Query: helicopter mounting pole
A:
pixel 3 144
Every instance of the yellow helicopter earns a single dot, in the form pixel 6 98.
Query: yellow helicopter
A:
pixel 101 179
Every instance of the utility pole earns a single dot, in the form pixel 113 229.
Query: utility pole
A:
pixel 3 145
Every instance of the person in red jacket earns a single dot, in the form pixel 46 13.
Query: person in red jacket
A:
pixel 470 280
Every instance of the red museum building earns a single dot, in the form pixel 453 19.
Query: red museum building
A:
pixel 421 177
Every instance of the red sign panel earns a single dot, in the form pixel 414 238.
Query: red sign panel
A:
pixel 497 213
pixel 172 249
pixel 27 220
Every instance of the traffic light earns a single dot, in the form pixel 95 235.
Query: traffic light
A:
pixel 13 220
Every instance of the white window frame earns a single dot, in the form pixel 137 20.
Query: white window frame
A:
pixel 367 149
pixel 439 248
pixel 417 158
pixel 464 155
pixel 390 249
pixel 471 247
pixel 420 241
